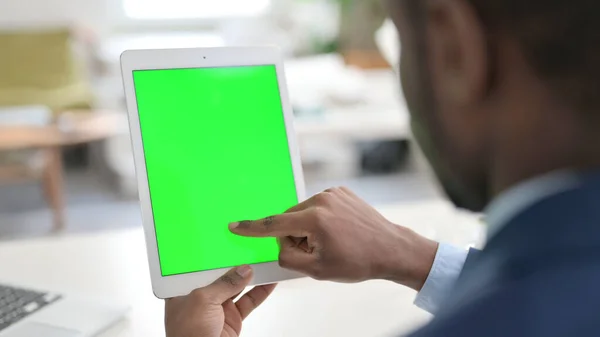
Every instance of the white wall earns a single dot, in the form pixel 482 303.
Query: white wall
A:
pixel 302 19
pixel 97 14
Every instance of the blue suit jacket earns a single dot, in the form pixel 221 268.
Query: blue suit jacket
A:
pixel 539 276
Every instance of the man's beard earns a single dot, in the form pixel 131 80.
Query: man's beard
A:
pixel 464 191
pixel 452 186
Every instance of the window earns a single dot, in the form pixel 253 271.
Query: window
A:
pixel 192 9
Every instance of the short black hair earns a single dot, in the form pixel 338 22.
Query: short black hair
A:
pixel 560 40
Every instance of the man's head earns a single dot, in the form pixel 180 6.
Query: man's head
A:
pixel 500 90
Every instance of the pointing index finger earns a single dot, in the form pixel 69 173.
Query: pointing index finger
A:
pixel 283 225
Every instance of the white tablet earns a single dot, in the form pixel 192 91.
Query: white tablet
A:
pixel 214 143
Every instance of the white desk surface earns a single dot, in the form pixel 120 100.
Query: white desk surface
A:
pixel 112 265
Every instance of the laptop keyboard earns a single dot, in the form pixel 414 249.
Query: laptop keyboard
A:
pixel 17 303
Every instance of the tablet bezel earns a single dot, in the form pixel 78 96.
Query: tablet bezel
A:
pixel 131 60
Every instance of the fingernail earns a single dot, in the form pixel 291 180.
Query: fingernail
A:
pixel 244 271
pixel 234 225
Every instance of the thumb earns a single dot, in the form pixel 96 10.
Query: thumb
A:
pixel 229 285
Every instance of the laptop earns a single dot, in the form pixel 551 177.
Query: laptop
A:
pixel 29 313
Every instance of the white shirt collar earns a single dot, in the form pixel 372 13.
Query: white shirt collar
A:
pixel 515 200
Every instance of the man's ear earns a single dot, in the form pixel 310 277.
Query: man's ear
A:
pixel 458 53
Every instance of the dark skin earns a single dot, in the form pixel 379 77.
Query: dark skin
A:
pixel 336 236
pixel 211 311
pixel 486 122
pixel 496 122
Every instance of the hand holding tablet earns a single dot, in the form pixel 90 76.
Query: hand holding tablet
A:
pixel 210 311
pixel 213 143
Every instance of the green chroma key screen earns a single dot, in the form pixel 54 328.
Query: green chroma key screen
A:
pixel 216 152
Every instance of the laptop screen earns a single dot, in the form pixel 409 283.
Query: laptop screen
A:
pixel 216 152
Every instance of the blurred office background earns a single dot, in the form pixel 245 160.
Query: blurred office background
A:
pixel 65 158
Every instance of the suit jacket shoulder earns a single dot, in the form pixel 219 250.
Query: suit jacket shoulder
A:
pixel 560 300
pixel 538 276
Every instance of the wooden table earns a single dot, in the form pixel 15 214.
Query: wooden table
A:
pixel 71 128
pixel 113 266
